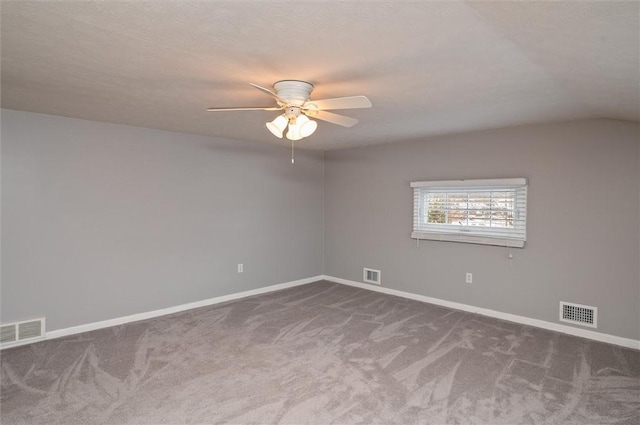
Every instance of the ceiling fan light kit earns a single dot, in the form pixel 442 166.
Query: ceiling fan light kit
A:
pixel 299 126
pixel 293 96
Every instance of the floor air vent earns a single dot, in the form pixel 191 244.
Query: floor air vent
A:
pixel 371 276
pixel 579 314
pixel 19 332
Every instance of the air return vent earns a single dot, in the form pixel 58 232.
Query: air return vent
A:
pixel 371 276
pixel 579 314
pixel 19 332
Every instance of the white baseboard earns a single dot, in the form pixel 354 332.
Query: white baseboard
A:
pixel 584 333
pixel 169 310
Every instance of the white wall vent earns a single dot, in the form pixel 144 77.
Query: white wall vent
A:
pixel 579 314
pixel 21 332
pixel 371 276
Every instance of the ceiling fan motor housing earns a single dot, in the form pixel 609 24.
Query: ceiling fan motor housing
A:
pixel 294 92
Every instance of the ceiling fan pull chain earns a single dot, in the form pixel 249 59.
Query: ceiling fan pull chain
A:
pixel 292 159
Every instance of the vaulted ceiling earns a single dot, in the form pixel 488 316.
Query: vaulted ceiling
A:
pixel 429 68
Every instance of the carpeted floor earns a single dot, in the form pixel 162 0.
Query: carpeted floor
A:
pixel 321 353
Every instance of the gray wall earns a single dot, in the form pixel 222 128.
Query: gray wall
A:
pixel 103 220
pixel 583 224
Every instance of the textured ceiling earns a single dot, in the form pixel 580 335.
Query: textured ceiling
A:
pixel 430 68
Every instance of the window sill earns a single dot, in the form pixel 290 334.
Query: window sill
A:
pixel 482 240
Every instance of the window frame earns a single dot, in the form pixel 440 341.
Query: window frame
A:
pixel 514 238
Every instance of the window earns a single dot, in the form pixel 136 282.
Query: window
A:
pixel 490 212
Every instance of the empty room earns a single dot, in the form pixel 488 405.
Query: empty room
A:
pixel 320 212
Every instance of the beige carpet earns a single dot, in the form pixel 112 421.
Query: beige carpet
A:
pixel 318 354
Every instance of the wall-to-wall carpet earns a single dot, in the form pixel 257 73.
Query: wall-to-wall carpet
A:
pixel 320 353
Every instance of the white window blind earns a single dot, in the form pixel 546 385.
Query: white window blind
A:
pixel 490 212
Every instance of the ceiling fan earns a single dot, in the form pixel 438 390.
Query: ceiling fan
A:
pixel 292 97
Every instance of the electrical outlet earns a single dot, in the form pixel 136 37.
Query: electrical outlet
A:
pixel 240 268
pixel 469 278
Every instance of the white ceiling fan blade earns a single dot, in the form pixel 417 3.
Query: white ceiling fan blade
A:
pixel 267 91
pixel 350 102
pixel 246 108
pixel 333 118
